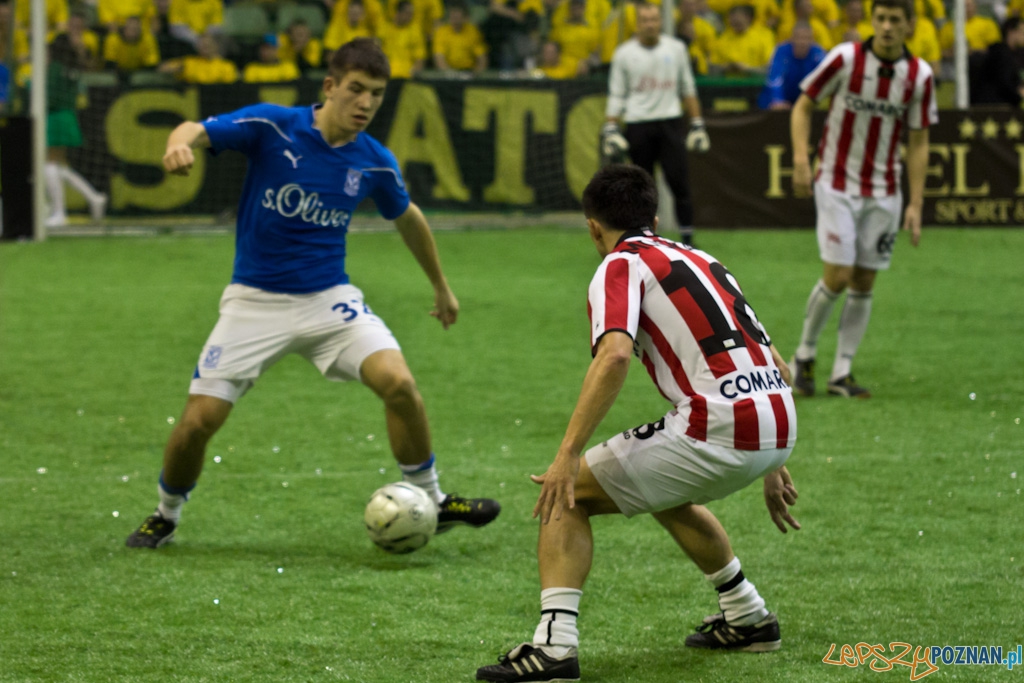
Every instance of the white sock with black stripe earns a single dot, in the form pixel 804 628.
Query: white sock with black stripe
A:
pixel 557 631
pixel 738 598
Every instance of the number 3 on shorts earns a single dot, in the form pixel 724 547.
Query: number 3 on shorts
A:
pixel 349 312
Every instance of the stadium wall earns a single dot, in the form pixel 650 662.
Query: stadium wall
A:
pixel 500 145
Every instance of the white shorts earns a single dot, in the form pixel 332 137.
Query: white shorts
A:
pixel 333 329
pixel 858 231
pixel 656 467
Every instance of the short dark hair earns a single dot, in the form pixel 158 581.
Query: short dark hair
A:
pixel 622 197
pixel 361 54
pixel 459 5
pixel 1010 25
pixel 906 5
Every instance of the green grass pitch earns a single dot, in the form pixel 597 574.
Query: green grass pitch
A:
pixel 910 502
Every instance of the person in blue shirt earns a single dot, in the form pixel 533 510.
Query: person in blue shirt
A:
pixel 791 61
pixel 309 169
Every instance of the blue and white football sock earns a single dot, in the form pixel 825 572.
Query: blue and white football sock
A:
pixel 557 633
pixel 853 323
pixel 738 598
pixel 424 476
pixel 171 500
pixel 819 308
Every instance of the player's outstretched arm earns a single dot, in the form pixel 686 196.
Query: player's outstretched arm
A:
pixel 415 231
pixel 601 386
pixel 178 158
pixel 800 132
pixel 917 167
pixel 779 495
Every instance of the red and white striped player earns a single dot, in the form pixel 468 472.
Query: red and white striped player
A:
pixel 733 422
pixel 877 90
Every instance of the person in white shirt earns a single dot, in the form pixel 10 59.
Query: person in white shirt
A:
pixel 649 74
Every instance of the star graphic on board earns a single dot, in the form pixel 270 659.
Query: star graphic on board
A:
pixel 967 129
pixel 990 129
pixel 1013 129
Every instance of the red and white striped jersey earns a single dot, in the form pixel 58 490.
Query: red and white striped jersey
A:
pixel 872 101
pixel 698 338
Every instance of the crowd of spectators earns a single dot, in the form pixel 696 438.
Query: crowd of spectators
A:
pixel 775 39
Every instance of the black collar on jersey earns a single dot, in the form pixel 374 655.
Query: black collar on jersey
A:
pixel 886 63
pixel 642 232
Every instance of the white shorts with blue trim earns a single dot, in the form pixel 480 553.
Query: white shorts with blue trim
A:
pixel 334 330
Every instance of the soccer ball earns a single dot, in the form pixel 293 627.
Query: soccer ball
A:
pixel 400 518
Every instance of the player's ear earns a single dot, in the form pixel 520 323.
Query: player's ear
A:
pixel 595 229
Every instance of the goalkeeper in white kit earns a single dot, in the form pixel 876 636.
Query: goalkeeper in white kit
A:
pixel 649 74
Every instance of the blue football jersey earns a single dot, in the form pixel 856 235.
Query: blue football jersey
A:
pixel 299 196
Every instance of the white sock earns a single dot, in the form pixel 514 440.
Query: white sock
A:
pixel 171 500
pixel 170 504
pixel 54 188
pixel 853 322
pixel 819 307
pixel 424 476
pixel 737 597
pixel 75 180
pixel 557 630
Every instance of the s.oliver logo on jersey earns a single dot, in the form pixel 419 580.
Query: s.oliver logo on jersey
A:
pixel 761 379
pixel 291 201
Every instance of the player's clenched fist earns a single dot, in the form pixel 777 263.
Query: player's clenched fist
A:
pixel 179 159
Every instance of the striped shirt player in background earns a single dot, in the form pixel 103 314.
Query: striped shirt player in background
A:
pixel 649 74
pixel 733 422
pixel 309 169
pixel 877 88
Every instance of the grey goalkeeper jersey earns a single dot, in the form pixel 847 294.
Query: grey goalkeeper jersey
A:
pixel 646 83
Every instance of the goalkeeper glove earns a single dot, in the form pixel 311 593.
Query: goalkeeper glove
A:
pixel 613 143
pixel 697 139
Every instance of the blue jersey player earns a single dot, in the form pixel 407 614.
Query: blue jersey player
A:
pixel 309 168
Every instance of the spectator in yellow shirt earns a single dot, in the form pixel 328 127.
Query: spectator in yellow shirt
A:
pixel 577 39
pixel 206 68
pixel 695 30
pixel 766 12
pixel 854 26
pixel 458 44
pixel 130 48
pixel 269 68
pixel 596 13
pixel 743 48
pixel 56 16
pixel 827 11
pixel 981 31
pixel 404 43
pixel 923 41
pixel 347 25
pixel 931 9
pixel 552 64
pixel 617 29
pixel 113 13
pixel 190 19
pixel 297 45
pixel 803 10
pixel 427 14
